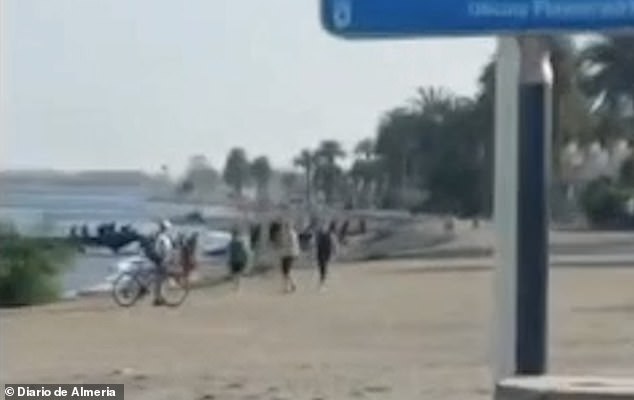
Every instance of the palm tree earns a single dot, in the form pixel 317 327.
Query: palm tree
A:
pixel 432 100
pixel 330 151
pixel 289 181
pixel 306 161
pixel 365 149
pixel 570 110
pixel 397 139
pixel 327 171
pixel 607 76
pixel 236 172
pixel 365 173
pixel 607 68
pixel 261 172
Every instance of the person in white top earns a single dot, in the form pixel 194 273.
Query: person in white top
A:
pixel 163 247
pixel 289 251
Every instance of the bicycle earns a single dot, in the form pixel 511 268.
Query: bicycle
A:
pixel 130 287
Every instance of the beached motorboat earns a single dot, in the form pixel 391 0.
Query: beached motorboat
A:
pixel 215 244
pixel 219 252
pixel 128 265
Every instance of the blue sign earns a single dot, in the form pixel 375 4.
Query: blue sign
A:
pixel 410 18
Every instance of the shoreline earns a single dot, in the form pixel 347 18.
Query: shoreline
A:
pixel 396 236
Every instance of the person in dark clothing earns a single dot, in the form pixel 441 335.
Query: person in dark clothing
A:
pixel 333 226
pixel 256 231
pixel 275 230
pixel 325 244
pixel 187 250
pixel 343 231
pixel 238 257
pixel 305 239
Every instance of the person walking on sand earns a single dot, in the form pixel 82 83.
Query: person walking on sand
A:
pixel 238 257
pixel 326 248
pixel 163 250
pixel 188 254
pixel 289 251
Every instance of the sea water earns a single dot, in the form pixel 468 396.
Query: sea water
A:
pixel 51 210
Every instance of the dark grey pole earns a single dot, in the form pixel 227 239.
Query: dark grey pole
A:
pixel 532 212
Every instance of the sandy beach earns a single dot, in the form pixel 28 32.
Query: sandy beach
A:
pixel 384 330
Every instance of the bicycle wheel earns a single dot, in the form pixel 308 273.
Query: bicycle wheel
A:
pixel 127 289
pixel 175 289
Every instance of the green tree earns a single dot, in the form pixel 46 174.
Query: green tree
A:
pixel 607 77
pixel 570 111
pixel 236 172
pixel 607 71
pixel 365 149
pixel 396 144
pixel 306 160
pixel 603 202
pixel 289 182
pixel 261 172
pixel 200 176
pixel 439 147
pixel 365 172
pixel 328 173
pixel 626 173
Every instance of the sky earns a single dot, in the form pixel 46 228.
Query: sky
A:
pixel 135 84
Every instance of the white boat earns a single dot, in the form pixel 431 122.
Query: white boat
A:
pixel 128 265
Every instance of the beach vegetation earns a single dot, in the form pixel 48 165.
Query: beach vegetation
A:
pixel 30 269
pixel 604 203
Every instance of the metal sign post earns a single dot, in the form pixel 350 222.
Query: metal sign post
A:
pixel 535 93
pixel 522 135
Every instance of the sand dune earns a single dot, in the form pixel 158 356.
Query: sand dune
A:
pixel 385 330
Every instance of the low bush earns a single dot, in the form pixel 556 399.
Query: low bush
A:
pixel 603 202
pixel 30 269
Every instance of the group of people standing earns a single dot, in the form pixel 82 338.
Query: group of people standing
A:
pixel 287 245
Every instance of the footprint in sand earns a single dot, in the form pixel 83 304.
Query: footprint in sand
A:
pixel 207 396
pixel 235 385
pixel 138 386
pixel 130 373
pixel 377 389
